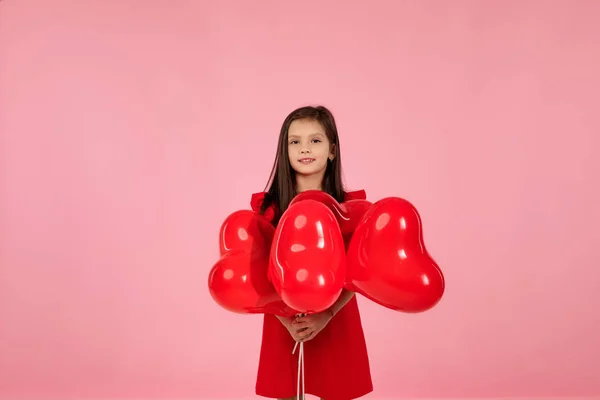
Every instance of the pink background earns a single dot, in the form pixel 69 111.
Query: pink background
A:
pixel 131 129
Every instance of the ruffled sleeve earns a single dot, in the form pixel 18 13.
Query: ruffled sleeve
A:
pixel 256 202
pixel 356 195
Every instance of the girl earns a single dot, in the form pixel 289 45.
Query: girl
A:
pixel 335 352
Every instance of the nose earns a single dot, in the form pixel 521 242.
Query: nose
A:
pixel 305 150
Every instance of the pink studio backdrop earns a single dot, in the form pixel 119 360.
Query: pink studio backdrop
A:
pixel 130 130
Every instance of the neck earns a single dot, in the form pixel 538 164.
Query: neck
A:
pixel 311 182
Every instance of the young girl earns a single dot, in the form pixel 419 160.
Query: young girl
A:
pixel 336 365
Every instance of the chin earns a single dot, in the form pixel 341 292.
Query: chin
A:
pixel 308 171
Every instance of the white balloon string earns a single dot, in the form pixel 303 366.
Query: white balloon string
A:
pixel 300 369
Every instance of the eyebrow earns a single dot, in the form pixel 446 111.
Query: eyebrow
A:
pixel 311 135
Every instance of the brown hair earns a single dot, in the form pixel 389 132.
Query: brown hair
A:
pixel 282 180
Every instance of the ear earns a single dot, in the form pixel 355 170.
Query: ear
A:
pixel 332 153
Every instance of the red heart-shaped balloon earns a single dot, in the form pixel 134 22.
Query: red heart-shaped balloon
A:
pixel 388 262
pixel 238 281
pixel 348 213
pixel 355 210
pixel 308 259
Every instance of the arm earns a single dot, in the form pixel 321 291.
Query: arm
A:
pixel 284 320
pixel 344 298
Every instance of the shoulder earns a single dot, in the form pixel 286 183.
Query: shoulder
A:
pixel 356 195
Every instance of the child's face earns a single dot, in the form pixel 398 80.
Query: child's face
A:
pixel 308 147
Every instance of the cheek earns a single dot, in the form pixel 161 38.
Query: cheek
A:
pixel 324 152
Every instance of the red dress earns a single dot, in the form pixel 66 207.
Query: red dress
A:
pixel 336 364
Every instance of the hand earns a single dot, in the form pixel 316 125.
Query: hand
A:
pixel 297 334
pixel 306 327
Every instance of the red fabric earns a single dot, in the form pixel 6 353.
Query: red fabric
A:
pixel 336 364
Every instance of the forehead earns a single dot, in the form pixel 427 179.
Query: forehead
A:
pixel 305 127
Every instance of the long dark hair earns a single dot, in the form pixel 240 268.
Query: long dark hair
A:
pixel 282 180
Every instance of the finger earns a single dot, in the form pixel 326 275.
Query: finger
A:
pixel 295 331
pixel 305 322
pixel 306 333
pixel 300 325
pixel 302 334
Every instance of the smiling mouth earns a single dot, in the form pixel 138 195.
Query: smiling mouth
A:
pixel 306 160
